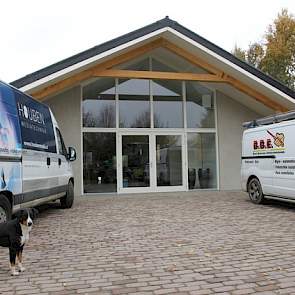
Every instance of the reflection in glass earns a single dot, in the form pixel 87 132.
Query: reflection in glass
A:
pixel 134 103
pixel 99 105
pixel 168 107
pixel 135 65
pixel 169 160
pixel 158 66
pixel 99 162
pixel 135 160
pixel 164 60
pixel 201 160
pixel 199 106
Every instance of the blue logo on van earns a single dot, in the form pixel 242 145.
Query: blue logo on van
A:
pixel 30 114
pixel 36 125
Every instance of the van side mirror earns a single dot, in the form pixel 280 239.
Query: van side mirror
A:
pixel 71 154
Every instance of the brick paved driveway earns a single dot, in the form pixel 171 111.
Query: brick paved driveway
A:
pixel 188 243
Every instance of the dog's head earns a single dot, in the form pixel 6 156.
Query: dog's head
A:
pixel 26 216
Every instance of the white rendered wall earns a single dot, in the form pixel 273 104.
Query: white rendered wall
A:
pixel 66 108
pixel 230 116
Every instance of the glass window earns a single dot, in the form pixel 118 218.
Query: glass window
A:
pixel 158 66
pixel 99 162
pixel 61 146
pixel 99 104
pixel 169 160
pixel 168 104
pixel 201 160
pixel 134 103
pixel 199 106
pixel 140 64
pixel 164 60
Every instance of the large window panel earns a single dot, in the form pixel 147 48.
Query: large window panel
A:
pixel 201 161
pixel 134 103
pixel 199 106
pixel 169 160
pixel 99 162
pixel 99 104
pixel 168 103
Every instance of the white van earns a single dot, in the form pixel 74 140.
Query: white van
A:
pixel 34 163
pixel 268 158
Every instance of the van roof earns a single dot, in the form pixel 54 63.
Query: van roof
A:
pixel 270 126
pixel 19 91
pixel 276 118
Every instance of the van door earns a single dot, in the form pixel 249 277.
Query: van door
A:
pixel 284 174
pixel 284 179
pixel 255 161
pixel 63 165
pixel 39 148
pixel 265 166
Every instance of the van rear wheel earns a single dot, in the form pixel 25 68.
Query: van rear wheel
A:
pixel 5 209
pixel 255 191
pixel 68 200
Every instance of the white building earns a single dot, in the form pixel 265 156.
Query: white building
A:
pixel 157 109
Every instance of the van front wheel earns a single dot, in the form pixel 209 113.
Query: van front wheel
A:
pixel 5 209
pixel 68 200
pixel 255 191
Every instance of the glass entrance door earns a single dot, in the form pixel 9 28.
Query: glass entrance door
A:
pixel 135 151
pixel 151 162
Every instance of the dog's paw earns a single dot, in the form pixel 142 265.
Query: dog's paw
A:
pixel 22 269
pixel 14 273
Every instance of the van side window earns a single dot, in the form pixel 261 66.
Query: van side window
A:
pixel 61 146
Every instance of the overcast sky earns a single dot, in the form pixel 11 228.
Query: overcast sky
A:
pixel 37 33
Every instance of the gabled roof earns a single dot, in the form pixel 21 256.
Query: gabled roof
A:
pixel 163 23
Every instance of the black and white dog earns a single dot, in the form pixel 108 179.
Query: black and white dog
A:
pixel 14 234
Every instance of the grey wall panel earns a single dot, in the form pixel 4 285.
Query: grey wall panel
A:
pixel 230 116
pixel 66 108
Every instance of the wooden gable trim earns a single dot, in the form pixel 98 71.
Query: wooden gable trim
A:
pixel 256 95
pixel 227 78
pixel 191 58
pixel 87 74
pixel 105 70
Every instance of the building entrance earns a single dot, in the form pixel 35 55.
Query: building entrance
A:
pixel 151 162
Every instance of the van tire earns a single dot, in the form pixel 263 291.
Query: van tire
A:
pixel 5 209
pixel 255 191
pixel 68 200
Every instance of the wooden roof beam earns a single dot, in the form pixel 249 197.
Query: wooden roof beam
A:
pixel 87 74
pixel 191 58
pixel 232 81
pixel 158 75
pixel 103 69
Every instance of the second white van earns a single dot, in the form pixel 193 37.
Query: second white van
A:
pixel 268 158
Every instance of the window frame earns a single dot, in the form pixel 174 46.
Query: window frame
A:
pixel 61 147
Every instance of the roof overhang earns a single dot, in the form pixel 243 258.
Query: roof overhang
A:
pixel 180 36
pixel 230 68
pixel 90 62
